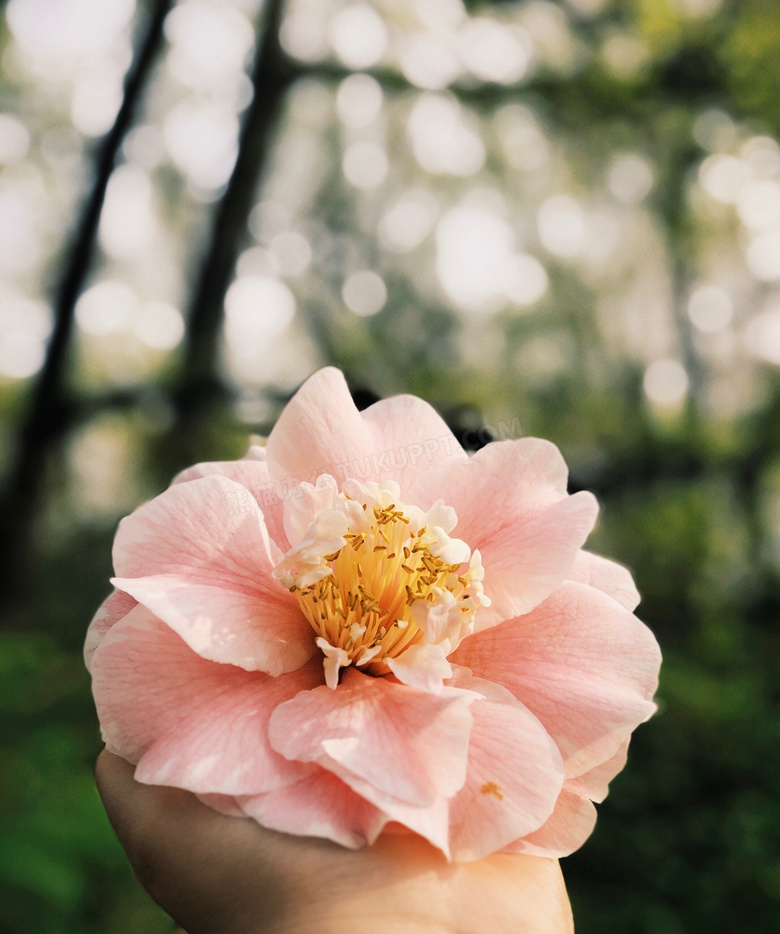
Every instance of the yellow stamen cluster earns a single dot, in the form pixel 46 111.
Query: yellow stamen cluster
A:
pixel 364 606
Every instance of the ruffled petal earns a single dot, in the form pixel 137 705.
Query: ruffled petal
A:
pixel 319 431
pixel 403 741
pixel 110 611
pixel 570 825
pixel 409 438
pixel 515 774
pixel 607 576
pixel 523 476
pixel 432 822
pixel 318 806
pixel 189 722
pixel 252 473
pixel 594 784
pixel 206 572
pixel 222 746
pixel 511 503
pixel 585 666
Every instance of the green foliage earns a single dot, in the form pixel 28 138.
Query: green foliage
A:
pixel 61 868
pixel 751 52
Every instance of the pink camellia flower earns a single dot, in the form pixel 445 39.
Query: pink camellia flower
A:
pixel 360 628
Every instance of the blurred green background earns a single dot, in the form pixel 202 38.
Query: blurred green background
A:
pixel 554 219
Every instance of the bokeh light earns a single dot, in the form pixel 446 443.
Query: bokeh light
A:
pixel 474 257
pixel 365 293
pixel 444 138
pixel 666 382
pixel 710 308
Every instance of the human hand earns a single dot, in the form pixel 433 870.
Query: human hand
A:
pixel 225 875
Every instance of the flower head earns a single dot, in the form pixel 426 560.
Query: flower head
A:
pixel 360 626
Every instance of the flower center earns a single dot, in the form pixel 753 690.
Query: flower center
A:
pixel 394 579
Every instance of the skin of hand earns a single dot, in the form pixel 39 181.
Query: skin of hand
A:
pixel 226 875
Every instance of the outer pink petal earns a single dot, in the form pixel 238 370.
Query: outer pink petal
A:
pixel 110 611
pixel 568 828
pixel 189 722
pixel 207 573
pixel 582 663
pixel 607 576
pixel 525 562
pixel 522 476
pixel 192 528
pixel 318 806
pixel 409 438
pixel 400 740
pixel 431 823
pixel 252 473
pixel 319 431
pixel 595 783
pixel 249 630
pixel 515 775
pixel 222 746
pixel 511 504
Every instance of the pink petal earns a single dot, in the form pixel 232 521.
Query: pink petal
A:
pixel 522 475
pixel 571 824
pixel 110 611
pixel 251 631
pixel 595 783
pixel 319 431
pixel 401 740
pixel 526 562
pixel 511 503
pixel 409 437
pixel 515 774
pixel 318 806
pixel 586 667
pixel 186 721
pixel 431 822
pixel 252 473
pixel 607 576
pixel 206 572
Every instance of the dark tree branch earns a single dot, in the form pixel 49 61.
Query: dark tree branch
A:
pixel 48 407
pixel 272 75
